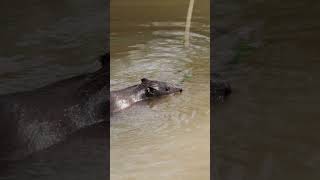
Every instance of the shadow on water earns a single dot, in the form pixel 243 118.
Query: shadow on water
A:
pixel 268 129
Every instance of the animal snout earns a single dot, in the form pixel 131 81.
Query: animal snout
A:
pixel 180 90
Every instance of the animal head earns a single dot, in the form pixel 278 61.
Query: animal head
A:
pixel 158 88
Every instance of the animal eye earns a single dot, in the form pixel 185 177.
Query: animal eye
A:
pixel 167 89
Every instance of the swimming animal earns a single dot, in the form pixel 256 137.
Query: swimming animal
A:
pixel 147 89
pixel 36 119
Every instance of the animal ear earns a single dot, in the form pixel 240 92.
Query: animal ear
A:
pixel 144 80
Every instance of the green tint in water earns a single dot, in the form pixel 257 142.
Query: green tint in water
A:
pixel 168 138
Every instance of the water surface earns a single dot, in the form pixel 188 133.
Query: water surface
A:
pixel 268 129
pixel 43 42
pixel 166 138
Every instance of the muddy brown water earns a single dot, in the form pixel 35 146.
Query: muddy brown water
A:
pixel 267 49
pixel 268 129
pixel 166 138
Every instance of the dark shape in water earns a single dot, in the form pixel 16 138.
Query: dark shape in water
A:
pixel 220 90
pixel 124 98
pixel 34 120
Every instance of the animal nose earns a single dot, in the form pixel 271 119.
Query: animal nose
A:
pixel 180 90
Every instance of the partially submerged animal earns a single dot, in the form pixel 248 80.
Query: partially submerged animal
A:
pixel 34 120
pixel 124 98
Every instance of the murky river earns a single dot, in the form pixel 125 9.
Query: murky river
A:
pixel 166 138
pixel 43 42
pixel 267 49
pixel 269 127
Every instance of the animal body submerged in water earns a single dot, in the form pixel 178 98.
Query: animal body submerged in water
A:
pixel 147 89
pixel 34 120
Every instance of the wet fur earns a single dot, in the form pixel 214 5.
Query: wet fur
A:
pixel 147 89
pixel 34 120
